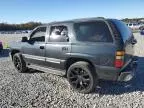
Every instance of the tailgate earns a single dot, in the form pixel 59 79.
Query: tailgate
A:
pixel 129 49
pixel 126 39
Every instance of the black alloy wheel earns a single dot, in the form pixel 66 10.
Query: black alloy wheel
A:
pixel 81 77
pixel 19 63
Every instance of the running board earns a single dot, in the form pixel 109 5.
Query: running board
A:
pixel 47 70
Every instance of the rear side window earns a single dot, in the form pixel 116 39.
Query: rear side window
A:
pixel 96 31
pixel 125 32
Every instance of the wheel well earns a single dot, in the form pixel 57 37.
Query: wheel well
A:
pixel 70 61
pixel 13 52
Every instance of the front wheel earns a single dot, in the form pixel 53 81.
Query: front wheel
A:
pixel 82 77
pixel 19 63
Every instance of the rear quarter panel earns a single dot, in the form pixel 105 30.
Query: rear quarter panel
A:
pixel 100 54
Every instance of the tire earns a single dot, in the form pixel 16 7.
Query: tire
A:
pixel 82 77
pixel 19 63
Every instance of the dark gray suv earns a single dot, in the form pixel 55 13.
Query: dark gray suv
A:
pixel 83 50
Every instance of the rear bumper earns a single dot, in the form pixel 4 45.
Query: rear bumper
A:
pixel 128 73
pixel 125 76
pixel 107 73
pixel 114 74
pixel 142 32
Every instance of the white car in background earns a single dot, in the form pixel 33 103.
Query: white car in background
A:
pixel 133 26
pixel 141 26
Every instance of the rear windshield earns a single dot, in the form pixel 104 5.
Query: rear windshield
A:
pixel 124 30
pixel 96 31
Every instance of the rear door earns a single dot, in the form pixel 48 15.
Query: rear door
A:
pixel 94 41
pixel 127 39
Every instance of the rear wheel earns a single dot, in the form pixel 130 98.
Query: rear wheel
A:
pixel 19 63
pixel 82 77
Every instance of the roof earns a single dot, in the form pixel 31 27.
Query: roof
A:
pixel 77 20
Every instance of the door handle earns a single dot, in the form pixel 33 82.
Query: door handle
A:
pixel 41 47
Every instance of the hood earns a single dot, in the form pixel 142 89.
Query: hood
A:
pixel 15 45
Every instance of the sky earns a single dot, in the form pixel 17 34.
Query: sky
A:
pixel 21 11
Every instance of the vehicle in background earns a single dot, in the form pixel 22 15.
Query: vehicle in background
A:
pixel 2 32
pixel 15 32
pixel 1 46
pixel 133 26
pixel 142 31
pixel 141 26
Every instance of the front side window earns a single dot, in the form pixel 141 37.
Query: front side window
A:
pixel 59 34
pixel 38 35
pixel 96 31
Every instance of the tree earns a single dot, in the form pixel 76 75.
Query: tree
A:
pixel 26 26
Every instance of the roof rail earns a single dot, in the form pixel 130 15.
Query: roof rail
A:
pixel 78 19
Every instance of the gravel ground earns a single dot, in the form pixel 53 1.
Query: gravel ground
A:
pixel 43 90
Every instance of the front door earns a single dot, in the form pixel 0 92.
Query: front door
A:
pixel 34 49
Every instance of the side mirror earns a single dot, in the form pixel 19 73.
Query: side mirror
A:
pixel 24 39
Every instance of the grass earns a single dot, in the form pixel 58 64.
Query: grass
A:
pixel 5 45
pixel 135 31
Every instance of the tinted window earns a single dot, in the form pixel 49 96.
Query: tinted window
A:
pixel 96 31
pixel 125 32
pixel 59 34
pixel 38 35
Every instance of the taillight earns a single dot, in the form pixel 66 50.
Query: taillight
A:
pixel 119 61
